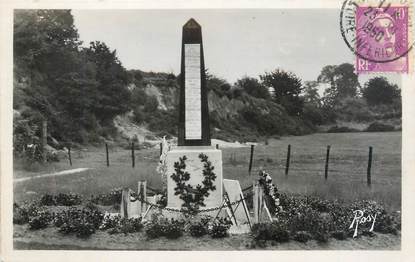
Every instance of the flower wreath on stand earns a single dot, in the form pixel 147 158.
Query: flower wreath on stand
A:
pixel 271 192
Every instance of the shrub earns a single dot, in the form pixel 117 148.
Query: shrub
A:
pixel 40 220
pixel 48 200
pixel 218 227
pixel 70 199
pixel 161 226
pixel 153 230
pixel 173 229
pixel 339 234
pixel 111 198
pixel 276 231
pixel 83 221
pixel 21 213
pixel 302 236
pixel 198 229
pixel 109 222
pixel 84 230
pixel 116 224
pixel 379 127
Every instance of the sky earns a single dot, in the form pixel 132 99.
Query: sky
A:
pixel 236 42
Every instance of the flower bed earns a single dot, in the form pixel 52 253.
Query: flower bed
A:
pixel 300 218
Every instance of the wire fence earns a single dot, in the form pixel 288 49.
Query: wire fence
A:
pixel 327 162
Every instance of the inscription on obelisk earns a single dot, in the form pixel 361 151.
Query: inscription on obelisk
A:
pixel 193 108
pixel 193 102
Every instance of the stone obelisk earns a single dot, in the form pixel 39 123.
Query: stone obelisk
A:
pixel 194 132
pixel 193 107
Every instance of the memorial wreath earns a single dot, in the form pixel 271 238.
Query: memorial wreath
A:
pixel 193 197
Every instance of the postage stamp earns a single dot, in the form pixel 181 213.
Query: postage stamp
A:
pixel 379 34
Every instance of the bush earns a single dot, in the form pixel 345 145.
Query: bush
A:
pixel 198 229
pixel 116 224
pixel 61 199
pixel 109 221
pixel 276 231
pixel 339 234
pixel 174 229
pixel 83 221
pixel 159 227
pixel 21 214
pixel 111 198
pixel 40 220
pixel 379 127
pixel 302 236
pixel 153 230
pixel 70 199
pixel 219 228
pixel 31 213
pixel 48 200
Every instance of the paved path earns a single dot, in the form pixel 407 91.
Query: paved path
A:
pixel 60 173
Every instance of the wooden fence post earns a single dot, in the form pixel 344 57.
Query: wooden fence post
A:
pixel 125 201
pixel 287 163
pixel 142 195
pixel 161 148
pixel 132 154
pixel 69 155
pixel 255 200
pixel 326 167
pixel 369 167
pixel 251 158
pixel 108 158
pixel 44 139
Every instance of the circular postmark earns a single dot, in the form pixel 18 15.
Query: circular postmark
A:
pixel 376 33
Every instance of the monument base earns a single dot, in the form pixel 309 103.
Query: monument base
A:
pixel 194 167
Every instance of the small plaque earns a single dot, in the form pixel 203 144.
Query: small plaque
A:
pixel 193 103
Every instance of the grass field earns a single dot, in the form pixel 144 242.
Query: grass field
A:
pixel 346 178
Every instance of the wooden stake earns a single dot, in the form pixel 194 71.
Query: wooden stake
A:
pixel 326 167
pixel 69 155
pixel 161 148
pixel 251 158
pixel 108 158
pixel 287 163
pixel 125 200
pixel 44 139
pixel 255 188
pixel 142 195
pixel 369 167
pixel 132 154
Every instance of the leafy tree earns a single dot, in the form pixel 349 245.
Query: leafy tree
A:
pixel 342 80
pixel 287 90
pixel 312 110
pixel 253 87
pixel 78 90
pixel 378 90
pixel 49 69
pixel 311 94
pixel 113 96
pixel 218 85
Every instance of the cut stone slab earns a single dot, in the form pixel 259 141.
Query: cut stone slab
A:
pixel 194 167
pixel 239 213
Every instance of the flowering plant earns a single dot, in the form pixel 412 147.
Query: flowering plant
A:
pixel 270 191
